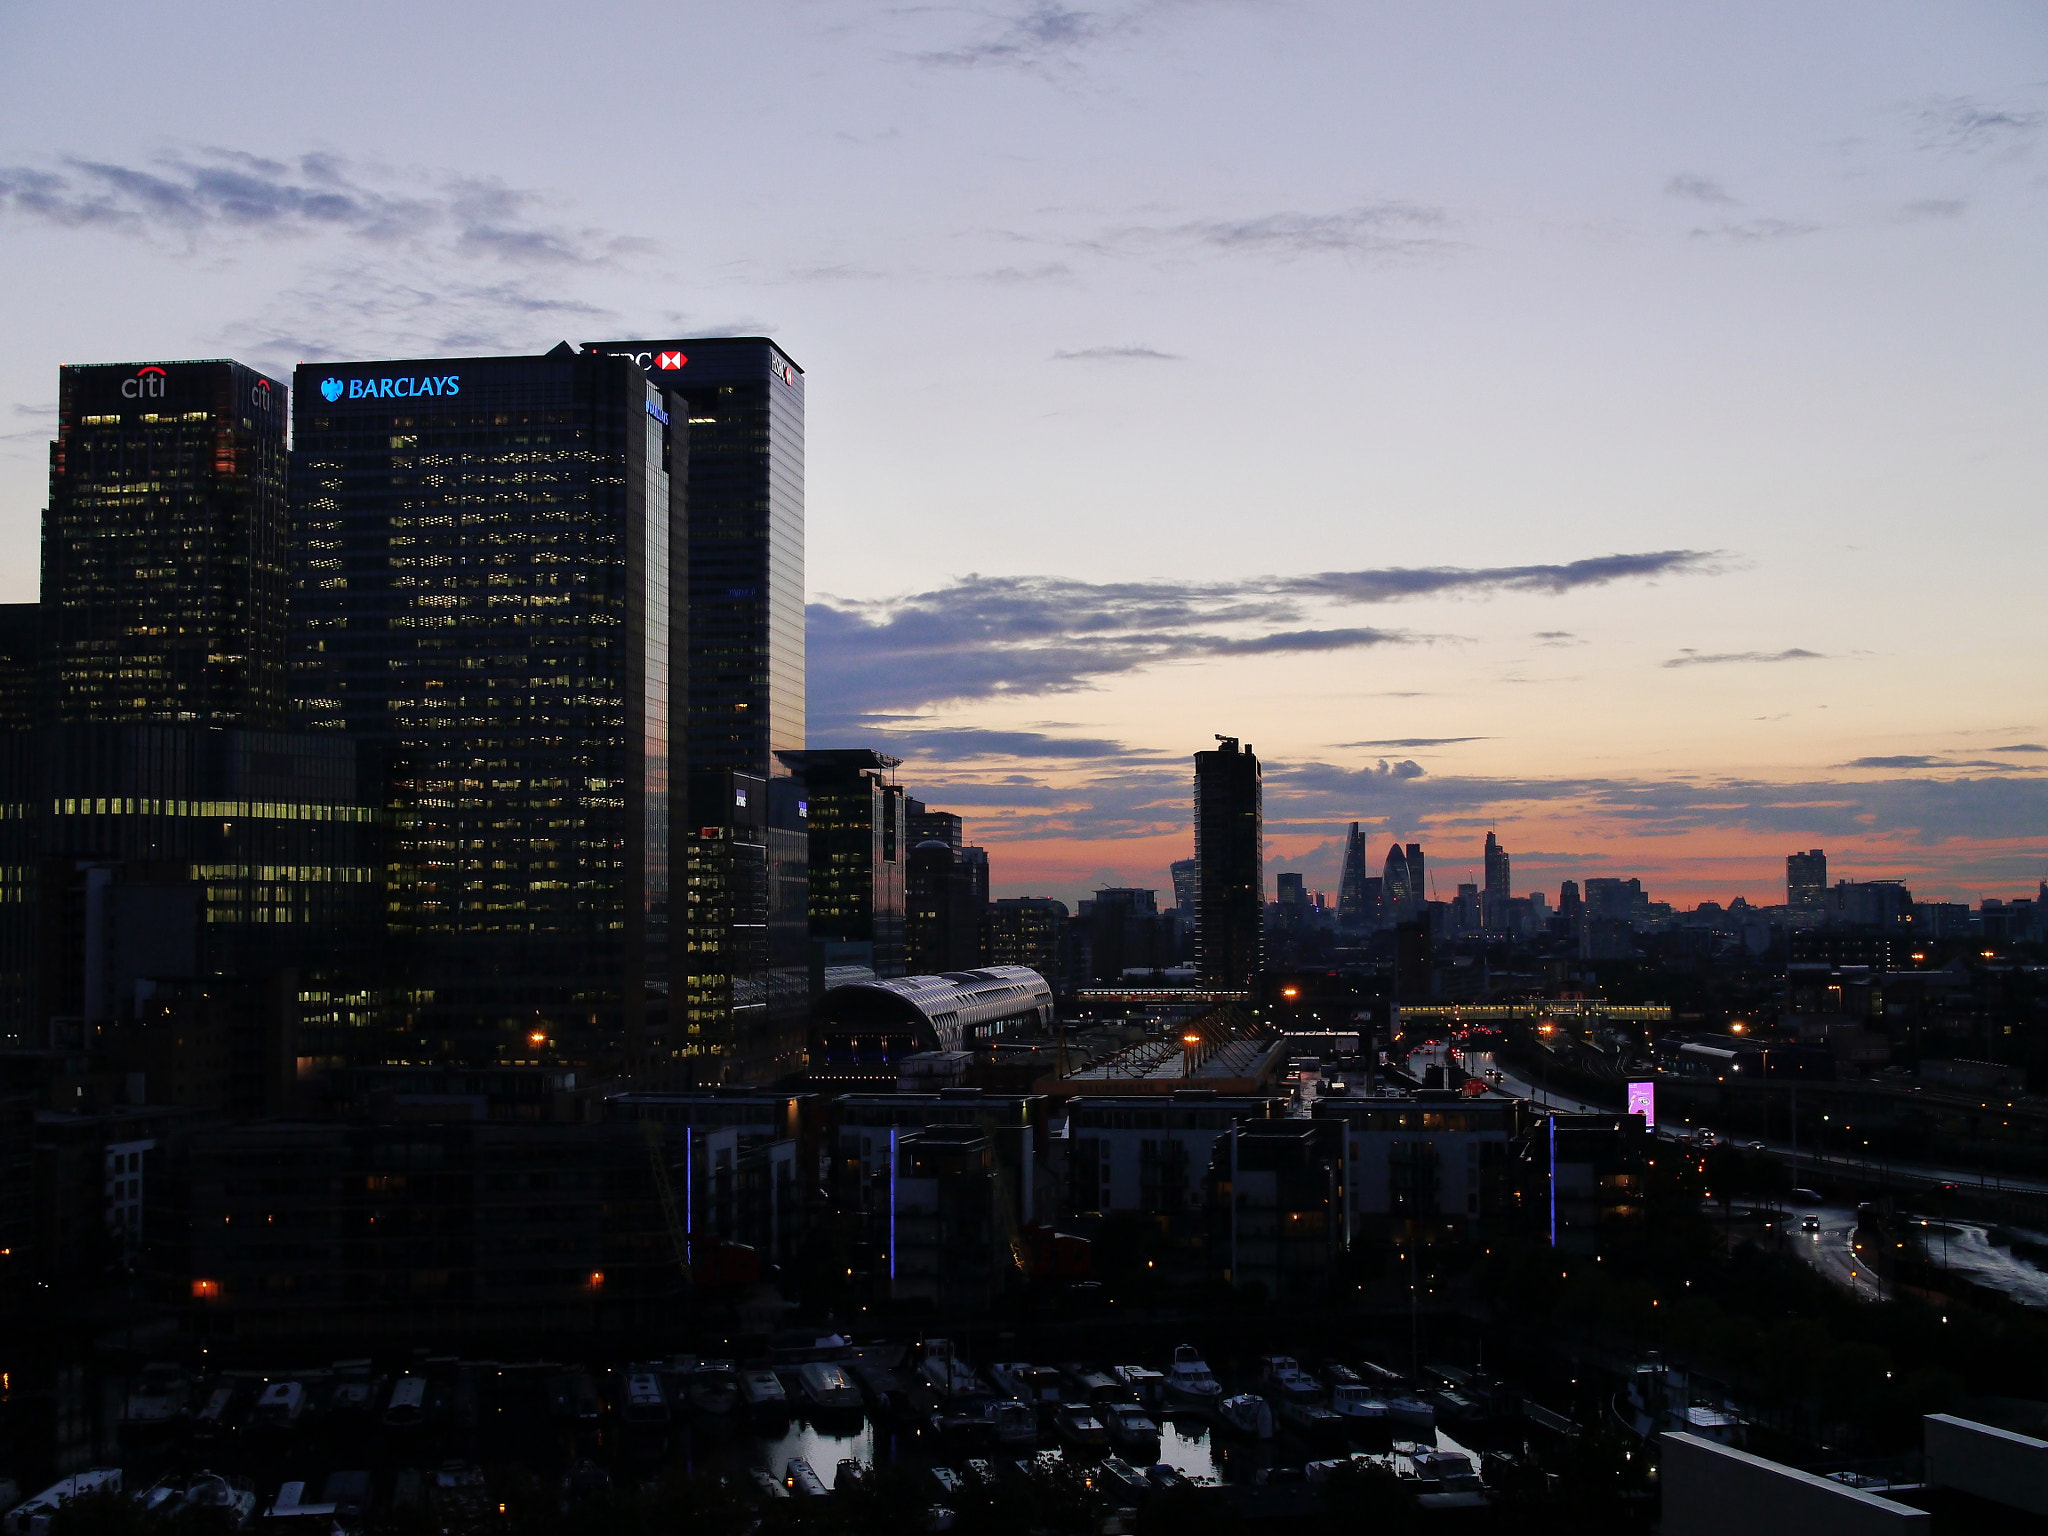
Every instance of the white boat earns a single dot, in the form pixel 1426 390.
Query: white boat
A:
pixel 280 1405
pixel 1130 1428
pixel 800 1479
pixel 1190 1383
pixel 1410 1412
pixel 408 1405
pixel 201 1490
pixel 644 1403
pixel 1323 1471
pixel 1013 1423
pixel 766 1483
pixel 1357 1404
pixel 947 1374
pixel 827 1387
pixel 31 1517
pixel 762 1391
pixel 1248 1414
pixel 1283 1375
pixel 1145 1383
pixel 1122 1480
pixel 160 1394
pixel 1080 1428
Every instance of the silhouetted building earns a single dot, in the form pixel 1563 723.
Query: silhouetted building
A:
pixel 164 547
pixel 1354 912
pixel 741 668
pixel 1499 887
pixel 481 600
pixel 941 922
pixel 1023 930
pixel 20 688
pixel 1182 873
pixel 1230 884
pixel 1870 904
pixel 1806 880
pixel 1126 934
pixel 857 852
pixel 741 994
pixel 927 825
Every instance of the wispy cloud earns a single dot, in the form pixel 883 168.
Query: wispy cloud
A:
pixel 2024 746
pixel 988 636
pixel 1697 189
pixel 416 261
pixel 1900 760
pixel 1378 230
pixel 1412 742
pixel 966 745
pixel 1118 354
pixel 1932 208
pixel 1716 658
pixel 1754 231
pixel 1042 34
pixel 1964 125
pixel 202 195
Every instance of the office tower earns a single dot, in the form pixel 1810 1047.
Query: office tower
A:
pixel 1230 884
pixel 1806 880
pixel 745 560
pixel 1125 933
pixel 1569 905
pixel 1395 891
pixel 1291 891
pixel 941 919
pixel 1499 889
pixel 20 693
pixel 164 546
pixel 1182 873
pixel 975 862
pixel 927 825
pixel 1418 881
pixel 481 600
pixel 857 838
pixel 1352 914
pixel 1024 930
pixel 719 981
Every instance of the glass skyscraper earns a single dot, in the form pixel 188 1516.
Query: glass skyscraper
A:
pixel 164 546
pixel 746 543
pixel 1230 884
pixel 482 600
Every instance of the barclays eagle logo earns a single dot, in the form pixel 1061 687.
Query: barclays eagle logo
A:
pixel 332 388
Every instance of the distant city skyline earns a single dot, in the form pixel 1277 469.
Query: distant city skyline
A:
pixel 1619 432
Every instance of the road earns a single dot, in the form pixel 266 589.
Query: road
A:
pixel 1967 1249
pixel 1829 1249
pixel 1808 1161
pixel 1479 1063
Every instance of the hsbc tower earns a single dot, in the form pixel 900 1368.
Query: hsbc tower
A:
pixel 746 543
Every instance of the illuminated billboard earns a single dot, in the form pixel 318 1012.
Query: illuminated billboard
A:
pixel 1642 1100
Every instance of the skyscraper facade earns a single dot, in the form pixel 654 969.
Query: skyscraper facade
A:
pixel 1806 880
pixel 745 544
pixel 481 600
pixel 1182 873
pixel 1394 888
pixel 1352 915
pixel 164 546
pixel 858 846
pixel 1499 887
pixel 1230 883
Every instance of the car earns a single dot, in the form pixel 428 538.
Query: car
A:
pixel 1809 1224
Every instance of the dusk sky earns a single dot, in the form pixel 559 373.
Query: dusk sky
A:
pixel 1618 425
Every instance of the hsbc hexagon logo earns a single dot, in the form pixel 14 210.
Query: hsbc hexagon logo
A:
pixel 669 360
